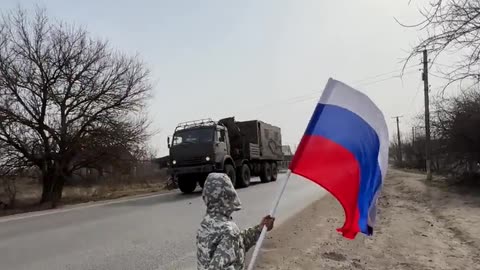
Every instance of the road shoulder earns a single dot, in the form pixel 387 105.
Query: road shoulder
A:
pixel 81 206
pixel 419 227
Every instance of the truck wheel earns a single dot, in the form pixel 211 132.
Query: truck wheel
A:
pixel 187 184
pixel 230 171
pixel 266 175
pixel 243 176
pixel 274 171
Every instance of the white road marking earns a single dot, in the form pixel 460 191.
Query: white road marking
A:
pixel 81 206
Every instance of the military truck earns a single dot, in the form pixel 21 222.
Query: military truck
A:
pixel 240 149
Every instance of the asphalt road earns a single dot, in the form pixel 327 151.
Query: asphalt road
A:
pixel 157 232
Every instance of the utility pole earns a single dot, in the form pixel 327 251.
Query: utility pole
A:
pixel 427 116
pixel 399 153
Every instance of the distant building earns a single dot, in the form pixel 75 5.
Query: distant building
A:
pixel 287 156
pixel 287 151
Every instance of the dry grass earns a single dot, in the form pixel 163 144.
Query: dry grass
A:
pixel 29 192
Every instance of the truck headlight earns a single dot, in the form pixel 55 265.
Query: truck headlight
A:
pixel 207 158
pixel 174 162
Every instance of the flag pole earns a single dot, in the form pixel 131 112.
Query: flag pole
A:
pixel 264 229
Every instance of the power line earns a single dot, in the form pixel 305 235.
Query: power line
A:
pixel 415 97
pixel 443 65
pixel 383 74
pixel 310 97
pixel 306 98
pixel 384 79
pixel 315 94
pixel 437 76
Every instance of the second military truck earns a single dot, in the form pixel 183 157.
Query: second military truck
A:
pixel 240 149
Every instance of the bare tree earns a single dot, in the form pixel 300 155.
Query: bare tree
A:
pixel 458 124
pixel 66 99
pixel 452 26
pixel 11 165
pixel 455 137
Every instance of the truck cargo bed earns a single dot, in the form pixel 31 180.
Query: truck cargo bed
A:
pixel 254 139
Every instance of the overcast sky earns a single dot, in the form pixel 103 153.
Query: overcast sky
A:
pixel 257 59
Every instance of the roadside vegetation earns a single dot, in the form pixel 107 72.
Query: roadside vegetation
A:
pixel 448 28
pixel 72 120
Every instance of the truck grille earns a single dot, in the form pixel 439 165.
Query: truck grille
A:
pixel 191 161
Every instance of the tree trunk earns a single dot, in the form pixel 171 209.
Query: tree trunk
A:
pixel 57 190
pixel 10 189
pixel 52 185
pixel 48 180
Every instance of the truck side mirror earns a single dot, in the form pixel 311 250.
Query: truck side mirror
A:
pixel 168 142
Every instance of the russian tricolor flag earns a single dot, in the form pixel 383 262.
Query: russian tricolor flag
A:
pixel 345 150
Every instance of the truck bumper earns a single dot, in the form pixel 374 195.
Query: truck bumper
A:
pixel 207 168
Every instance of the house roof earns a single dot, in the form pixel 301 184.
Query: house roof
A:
pixel 287 151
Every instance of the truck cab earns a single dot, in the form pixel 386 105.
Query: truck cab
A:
pixel 198 148
pixel 241 149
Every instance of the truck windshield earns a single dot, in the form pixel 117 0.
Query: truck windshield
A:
pixel 203 135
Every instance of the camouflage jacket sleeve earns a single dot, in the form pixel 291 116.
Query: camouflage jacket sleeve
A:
pixel 226 253
pixel 250 236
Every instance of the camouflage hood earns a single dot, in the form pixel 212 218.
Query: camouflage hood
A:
pixel 219 195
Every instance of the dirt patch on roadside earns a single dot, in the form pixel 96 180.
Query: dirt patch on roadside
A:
pixel 419 227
